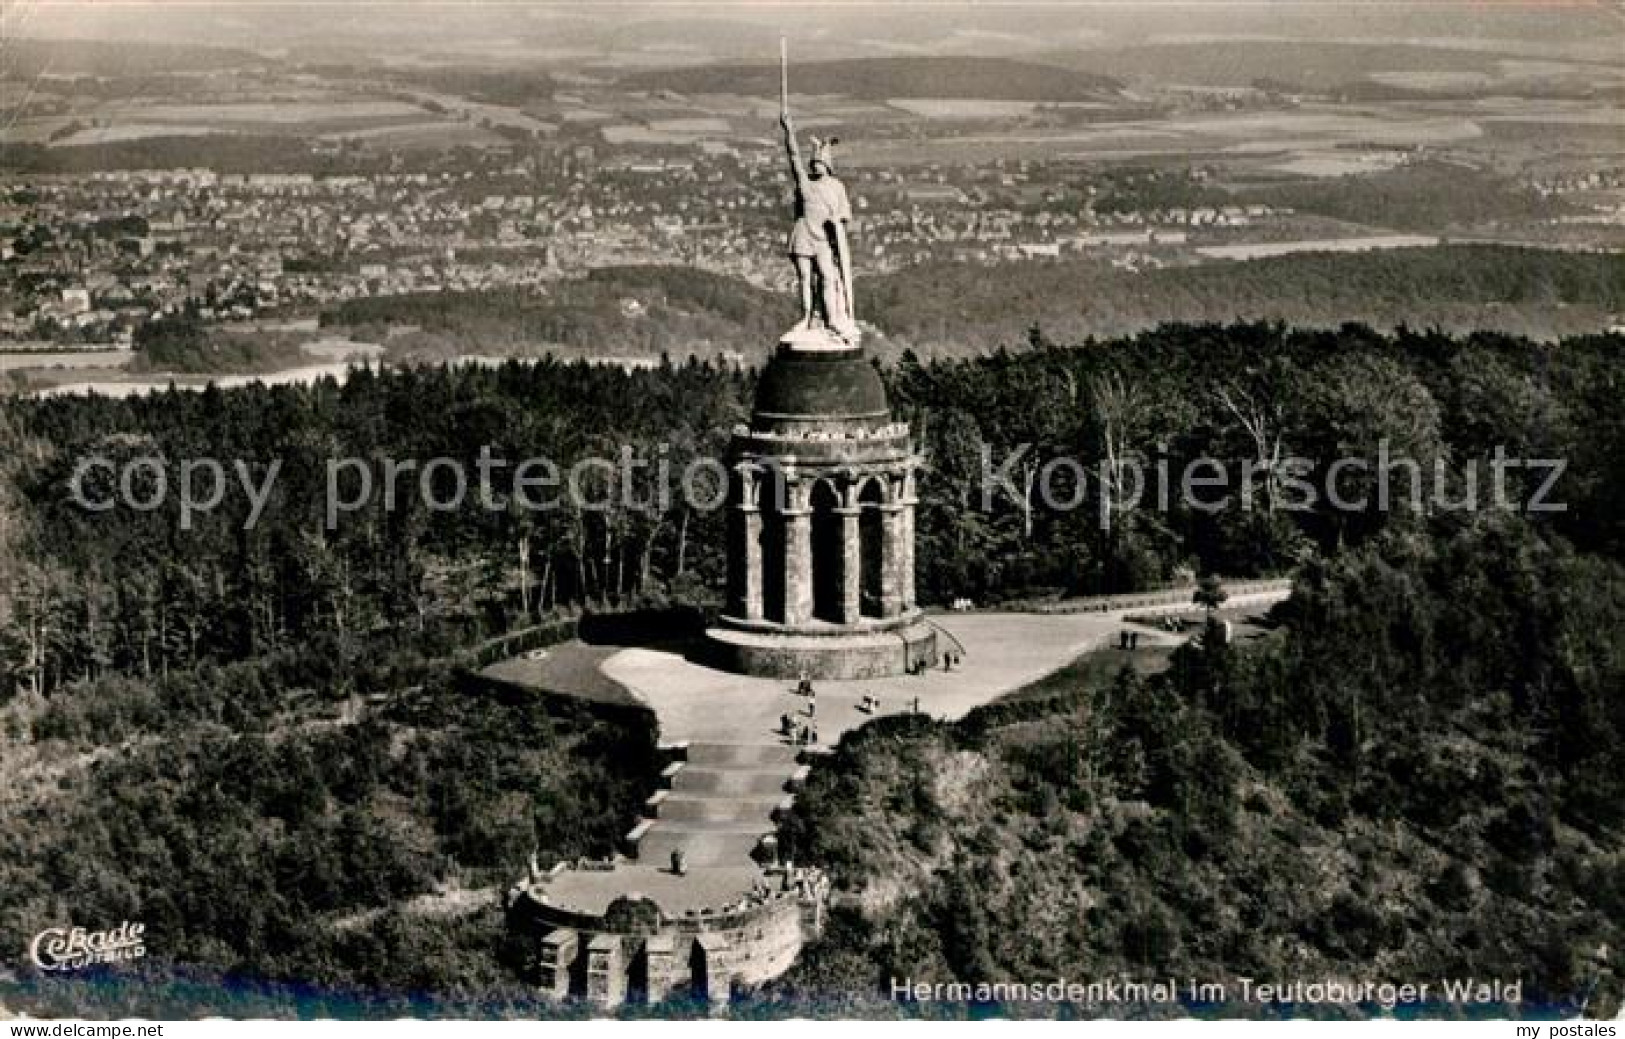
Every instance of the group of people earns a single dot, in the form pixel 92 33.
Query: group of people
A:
pixel 921 665
pixel 1128 639
pixel 801 733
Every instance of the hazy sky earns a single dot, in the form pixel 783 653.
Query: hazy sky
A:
pixel 747 27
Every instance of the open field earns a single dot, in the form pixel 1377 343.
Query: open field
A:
pixel 304 113
pixel 426 135
pixel 64 359
pixel 291 113
pixel 1255 250
pixel 141 386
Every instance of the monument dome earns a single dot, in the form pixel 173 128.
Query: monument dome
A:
pixel 812 388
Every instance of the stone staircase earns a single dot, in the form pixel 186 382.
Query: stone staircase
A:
pixel 738 783
pixel 719 802
pixel 693 808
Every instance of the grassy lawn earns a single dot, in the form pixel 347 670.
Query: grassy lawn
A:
pixel 570 668
pixel 1246 622
pixel 1095 668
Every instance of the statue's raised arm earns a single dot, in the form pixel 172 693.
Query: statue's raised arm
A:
pixel 797 169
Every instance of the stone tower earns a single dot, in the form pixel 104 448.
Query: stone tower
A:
pixel 821 531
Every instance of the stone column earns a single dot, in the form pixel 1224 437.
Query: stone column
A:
pixel 798 597
pixel 557 954
pixel 909 500
pixel 908 554
pixel 750 520
pixel 891 560
pixel 851 565
pixel 606 975
pixel 658 954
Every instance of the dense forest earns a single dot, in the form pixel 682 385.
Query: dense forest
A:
pixel 1417 779
pixel 328 820
pixel 127 592
pixel 251 734
pixel 681 311
pixel 946 309
pixel 1455 288
pixel 1428 196
pixel 185 343
pixel 1422 196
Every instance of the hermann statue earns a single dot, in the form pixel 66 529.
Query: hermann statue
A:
pixel 818 242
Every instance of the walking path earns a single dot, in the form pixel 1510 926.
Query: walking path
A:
pixel 736 768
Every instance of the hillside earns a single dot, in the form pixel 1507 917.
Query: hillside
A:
pixel 679 311
pixel 1370 796
pixel 27 59
pixel 993 79
pixel 222 152
pixel 337 817
pixel 1543 294
pixel 1307 65
pixel 948 308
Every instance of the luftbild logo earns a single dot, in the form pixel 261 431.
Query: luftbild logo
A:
pixel 64 948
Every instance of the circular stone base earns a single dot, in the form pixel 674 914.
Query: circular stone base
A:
pixel 828 657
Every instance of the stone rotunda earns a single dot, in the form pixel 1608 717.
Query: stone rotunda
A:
pixel 821 526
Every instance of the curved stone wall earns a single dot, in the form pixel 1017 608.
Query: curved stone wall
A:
pixel 644 955
pixel 837 656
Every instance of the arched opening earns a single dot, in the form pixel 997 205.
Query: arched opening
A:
pixel 699 969
pixel 771 499
pixel 870 546
pixel 828 553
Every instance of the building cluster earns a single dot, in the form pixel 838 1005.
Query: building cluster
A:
pixel 88 259
pixel 1580 181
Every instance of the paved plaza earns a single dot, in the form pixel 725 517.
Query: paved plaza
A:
pixel 1001 652
pixel 738 764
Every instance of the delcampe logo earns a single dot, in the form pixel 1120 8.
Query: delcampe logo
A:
pixel 70 948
